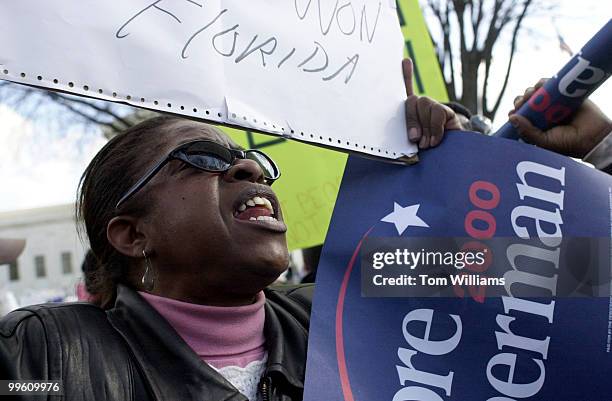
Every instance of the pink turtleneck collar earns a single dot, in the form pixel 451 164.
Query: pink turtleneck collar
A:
pixel 220 335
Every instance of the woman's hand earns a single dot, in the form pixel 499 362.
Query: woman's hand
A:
pixel 426 119
pixel 588 127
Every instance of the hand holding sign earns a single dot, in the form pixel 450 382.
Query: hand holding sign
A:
pixel 586 129
pixel 561 96
pixel 426 119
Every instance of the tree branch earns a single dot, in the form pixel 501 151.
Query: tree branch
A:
pixel 446 50
pixel 485 88
pixel 515 33
pixel 459 7
pixel 106 110
pixel 66 103
pixel 502 17
pixel 476 24
pixel 450 87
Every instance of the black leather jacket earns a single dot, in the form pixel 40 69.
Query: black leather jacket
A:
pixel 130 352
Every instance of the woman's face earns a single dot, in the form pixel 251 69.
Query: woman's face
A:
pixel 204 247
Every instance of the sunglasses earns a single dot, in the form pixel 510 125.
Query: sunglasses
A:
pixel 207 156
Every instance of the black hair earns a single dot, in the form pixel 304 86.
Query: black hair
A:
pixel 114 169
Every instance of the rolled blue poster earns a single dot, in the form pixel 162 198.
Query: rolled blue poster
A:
pixel 556 102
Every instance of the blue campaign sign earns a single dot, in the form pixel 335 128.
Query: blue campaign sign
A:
pixel 475 347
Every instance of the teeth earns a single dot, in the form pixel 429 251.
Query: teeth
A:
pixel 252 219
pixel 265 218
pixel 268 205
pixel 257 201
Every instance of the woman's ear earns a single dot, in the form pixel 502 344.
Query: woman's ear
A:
pixel 123 234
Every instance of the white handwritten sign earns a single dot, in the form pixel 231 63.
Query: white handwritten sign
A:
pixel 322 71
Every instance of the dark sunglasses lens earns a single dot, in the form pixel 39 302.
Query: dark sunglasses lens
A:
pixel 267 165
pixel 208 155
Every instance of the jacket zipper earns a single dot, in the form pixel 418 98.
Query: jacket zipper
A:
pixel 265 387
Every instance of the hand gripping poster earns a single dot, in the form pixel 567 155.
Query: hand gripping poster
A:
pixel 528 316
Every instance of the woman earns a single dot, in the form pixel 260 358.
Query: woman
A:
pixel 188 235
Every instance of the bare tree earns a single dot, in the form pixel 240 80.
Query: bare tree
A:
pixel 111 117
pixel 470 29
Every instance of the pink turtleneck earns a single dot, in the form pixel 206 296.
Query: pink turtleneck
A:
pixel 222 336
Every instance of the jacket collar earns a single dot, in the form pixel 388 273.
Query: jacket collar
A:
pixel 286 341
pixel 174 372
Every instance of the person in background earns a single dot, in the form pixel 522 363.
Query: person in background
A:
pixel 311 261
pixel 469 121
pixel 88 267
pixel 601 155
pixel 10 249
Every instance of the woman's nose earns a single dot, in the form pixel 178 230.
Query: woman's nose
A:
pixel 244 170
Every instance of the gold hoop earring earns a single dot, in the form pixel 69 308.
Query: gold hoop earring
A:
pixel 148 278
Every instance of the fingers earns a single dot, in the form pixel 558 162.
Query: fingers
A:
pixel 424 106
pixel 436 125
pixel 427 120
pixel 452 121
pixel 407 69
pixel 412 120
pixel 528 131
pixel 540 83
pixel 520 100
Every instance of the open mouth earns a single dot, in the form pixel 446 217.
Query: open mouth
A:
pixel 258 207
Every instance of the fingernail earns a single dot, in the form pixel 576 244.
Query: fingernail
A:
pixel 424 143
pixel 413 134
pixel 514 123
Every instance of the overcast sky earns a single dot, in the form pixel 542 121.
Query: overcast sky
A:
pixel 37 167
pixel 40 168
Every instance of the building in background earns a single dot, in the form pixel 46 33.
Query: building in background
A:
pixel 49 267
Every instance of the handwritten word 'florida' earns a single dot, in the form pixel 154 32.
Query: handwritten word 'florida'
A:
pixel 315 59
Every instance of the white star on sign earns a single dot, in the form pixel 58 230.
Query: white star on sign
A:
pixel 403 217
